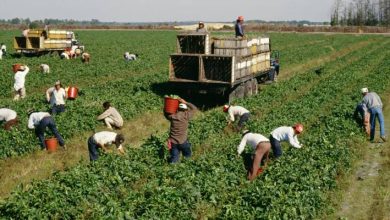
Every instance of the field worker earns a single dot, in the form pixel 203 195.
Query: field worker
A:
pixel 178 135
pixel 9 117
pixel 130 57
pixel 1 54
pixel 374 106
pixel 261 145
pixel 362 116
pixel 56 97
pixel 25 32
pixel 285 134
pixel 102 140
pixel 201 28
pixel 85 57
pixel 40 121
pixel 77 51
pixel 239 27
pixel 237 111
pixel 111 116
pixel 65 55
pixel 3 49
pixel 44 68
pixel 20 79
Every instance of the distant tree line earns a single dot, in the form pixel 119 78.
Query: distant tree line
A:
pixel 361 13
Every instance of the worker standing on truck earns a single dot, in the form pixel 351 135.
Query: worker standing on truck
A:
pixel 239 27
pixel 362 116
pixel 374 106
pixel 40 121
pixel 237 111
pixel 10 118
pixel 102 140
pixel 20 79
pixel 56 97
pixel 201 28
pixel 178 135
pixel 3 49
pixel 261 145
pixel 285 133
pixel 111 116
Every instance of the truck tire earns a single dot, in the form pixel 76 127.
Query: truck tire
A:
pixel 240 91
pixel 255 88
pixel 248 88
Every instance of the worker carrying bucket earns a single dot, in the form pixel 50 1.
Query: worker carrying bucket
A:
pixel 178 134
pixel 20 78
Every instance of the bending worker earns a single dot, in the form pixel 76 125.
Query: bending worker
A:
pixel 374 106
pixel 362 116
pixel 235 112
pixel 285 134
pixel 178 135
pixel 102 140
pixel 56 97
pixel 40 121
pixel 111 116
pixel 10 118
pixel 261 145
pixel 20 79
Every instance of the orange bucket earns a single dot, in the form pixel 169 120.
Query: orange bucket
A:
pixel 171 105
pixel 72 92
pixel 51 144
pixel 16 67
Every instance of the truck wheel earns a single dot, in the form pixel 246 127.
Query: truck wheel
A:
pixel 232 96
pixel 240 91
pixel 248 88
pixel 254 87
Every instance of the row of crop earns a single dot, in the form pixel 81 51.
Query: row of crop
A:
pixel 142 186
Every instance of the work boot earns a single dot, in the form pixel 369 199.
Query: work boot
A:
pixel 384 138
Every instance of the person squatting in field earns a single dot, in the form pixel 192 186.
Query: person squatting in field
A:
pixel 130 57
pixel 85 57
pixel 44 68
pixel 10 118
pixel 235 112
pixel 40 121
pixel 56 97
pixel 285 133
pixel 111 116
pixel 20 79
pixel 178 135
pixel 102 140
pixel 374 106
pixel 261 145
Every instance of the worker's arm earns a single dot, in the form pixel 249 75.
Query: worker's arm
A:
pixel 230 115
pixel 48 94
pixel 26 70
pixel 31 123
pixel 168 116
pixel 293 140
pixel 192 109
pixel 241 147
pixel 103 146
pixel 104 115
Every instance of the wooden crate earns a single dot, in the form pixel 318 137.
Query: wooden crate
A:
pixel 20 43
pixel 193 43
pixel 217 68
pixel 184 67
pixel 34 43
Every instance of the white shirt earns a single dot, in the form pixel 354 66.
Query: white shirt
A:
pixel 105 138
pixel 252 140
pixel 236 111
pixel 20 79
pixel 45 68
pixel 3 47
pixel 7 114
pixel 65 55
pixel 56 97
pixel 35 119
pixel 286 134
pixel 130 56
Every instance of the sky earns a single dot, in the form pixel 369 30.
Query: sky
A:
pixel 167 10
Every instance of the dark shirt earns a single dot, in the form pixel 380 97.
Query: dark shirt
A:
pixel 179 124
pixel 239 30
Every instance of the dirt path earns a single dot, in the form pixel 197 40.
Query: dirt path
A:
pixel 365 193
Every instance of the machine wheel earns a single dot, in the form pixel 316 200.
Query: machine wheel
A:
pixel 232 96
pixel 255 88
pixel 248 88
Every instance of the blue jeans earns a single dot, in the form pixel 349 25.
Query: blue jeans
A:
pixel 376 112
pixel 276 148
pixel 244 118
pixel 185 148
pixel 41 128
pixel 57 109
pixel 93 149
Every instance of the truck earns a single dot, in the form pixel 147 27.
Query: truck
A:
pixel 230 68
pixel 41 41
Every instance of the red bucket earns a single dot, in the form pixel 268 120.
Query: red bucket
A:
pixel 16 67
pixel 72 92
pixel 171 105
pixel 51 144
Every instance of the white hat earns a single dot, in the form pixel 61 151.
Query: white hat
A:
pixel 183 106
pixel 364 90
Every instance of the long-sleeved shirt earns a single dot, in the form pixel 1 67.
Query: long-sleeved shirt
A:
pixel 35 119
pixel 236 111
pixel 129 57
pixel 105 138
pixel 20 78
pixel 372 100
pixel 201 30
pixel 3 48
pixel 112 113
pixel 252 140
pixel 286 134
pixel 56 97
pixel 7 114
pixel 239 30
pixel 179 124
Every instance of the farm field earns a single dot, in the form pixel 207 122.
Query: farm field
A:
pixel 212 184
